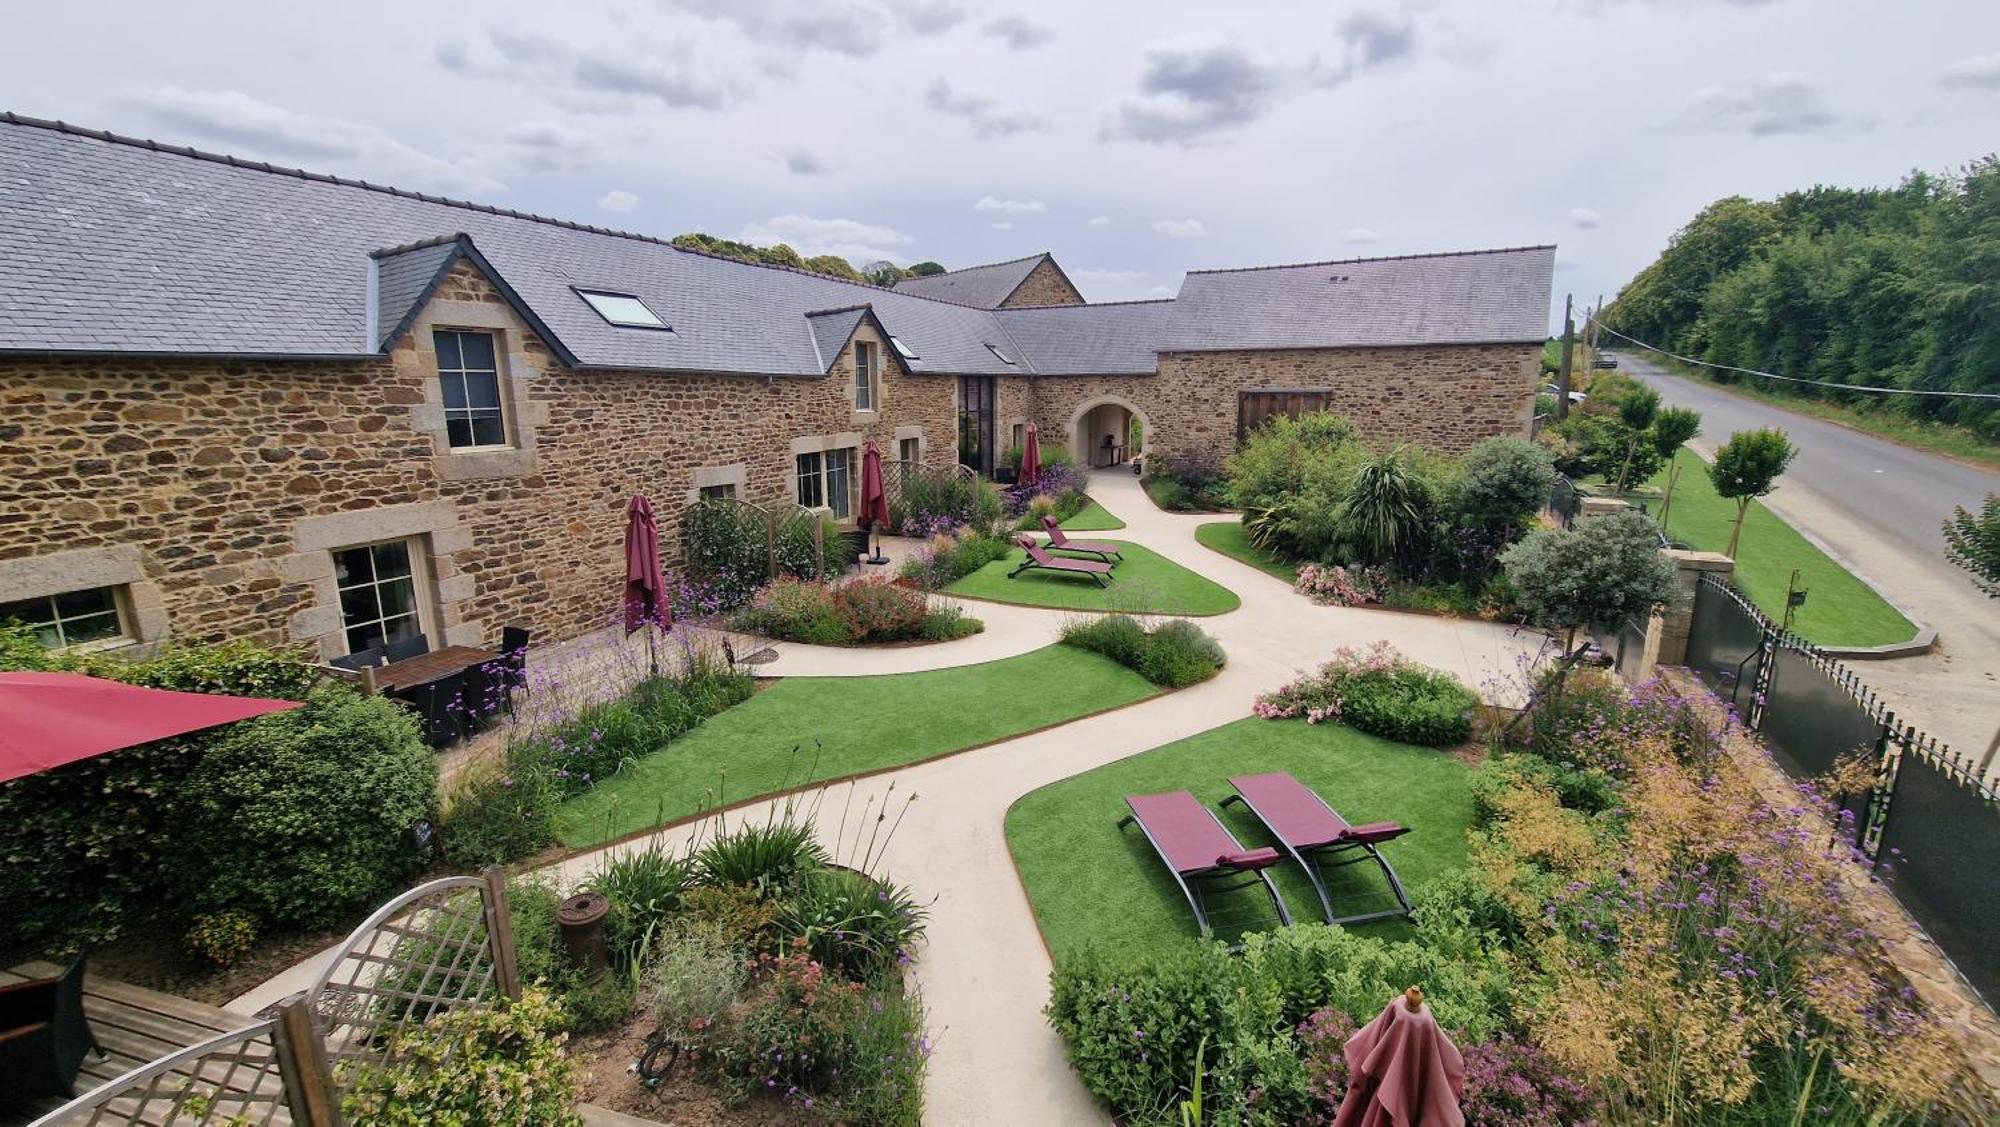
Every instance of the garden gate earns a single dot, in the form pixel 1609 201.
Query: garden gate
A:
pixel 1258 404
pixel 441 945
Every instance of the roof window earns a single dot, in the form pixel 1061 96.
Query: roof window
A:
pixel 995 350
pixel 902 349
pixel 623 310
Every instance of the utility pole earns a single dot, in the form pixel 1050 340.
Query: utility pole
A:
pixel 1562 372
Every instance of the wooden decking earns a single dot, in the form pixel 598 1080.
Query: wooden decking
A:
pixel 133 1024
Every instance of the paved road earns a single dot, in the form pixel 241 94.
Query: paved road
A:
pixel 1876 506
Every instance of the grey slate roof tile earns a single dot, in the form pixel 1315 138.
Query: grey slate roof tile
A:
pixel 981 287
pixel 1070 340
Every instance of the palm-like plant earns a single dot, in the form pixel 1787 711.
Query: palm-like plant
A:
pixel 1383 513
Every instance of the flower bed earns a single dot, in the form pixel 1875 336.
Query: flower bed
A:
pixel 1380 692
pixel 862 612
pixel 1175 654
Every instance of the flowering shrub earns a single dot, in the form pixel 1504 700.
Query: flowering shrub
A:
pixel 1333 585
pixel 498 1064
pixel 950 556
pixel 221 937
pixel 1380 692
pixel 796 610
pixel 876 610
pixel 859 612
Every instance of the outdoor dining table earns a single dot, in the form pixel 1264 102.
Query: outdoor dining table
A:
pixel 425 668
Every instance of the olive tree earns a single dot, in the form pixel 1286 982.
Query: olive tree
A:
pixel 1601 571
pixel 1747 467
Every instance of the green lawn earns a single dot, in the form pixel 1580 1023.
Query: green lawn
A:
pixel 1227 537
pixel 1092 883
pixel 862 724
pixel 1095 518
pixel 1145 583
pixel 1840 609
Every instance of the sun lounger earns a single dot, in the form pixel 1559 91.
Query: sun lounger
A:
pixel 1042 561
pixel 1199 850
pixel 1059 540
pixel 1317 837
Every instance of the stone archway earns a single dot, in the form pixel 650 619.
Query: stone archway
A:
pixel 1104 416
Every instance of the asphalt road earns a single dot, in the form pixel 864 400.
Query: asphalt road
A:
pixel 1876 507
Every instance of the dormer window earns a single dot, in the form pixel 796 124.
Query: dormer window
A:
pixel 623 310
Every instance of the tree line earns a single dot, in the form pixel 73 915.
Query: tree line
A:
pixel 883 273
pixel 1882 287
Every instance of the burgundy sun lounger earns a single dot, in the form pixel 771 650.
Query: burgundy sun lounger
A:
pixel 1317 837
pixel 1060 540
pixel 1041 560
pixel 1199 850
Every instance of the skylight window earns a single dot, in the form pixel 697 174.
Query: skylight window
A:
pixel 903 350
pixel 995 350
pixel 623 310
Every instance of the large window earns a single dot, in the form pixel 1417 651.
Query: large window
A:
pixel 826 478
pixel 975 423
pixel 866 375
pixel 73 619
pixel 378 593
pixel 471 381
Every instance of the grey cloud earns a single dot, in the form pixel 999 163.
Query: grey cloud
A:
pixel 1019 32
pixel 1981 72
pixel 595 79
pixel 986 115
pixel 1585 219
pixel 805 162
pixel 547 147
pixel 856 29
pixel 1376 37
pixel 1193 88
pixel 1778 104
pixel 929 17
pixel 671 81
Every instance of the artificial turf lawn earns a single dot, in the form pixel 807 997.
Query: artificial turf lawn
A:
pixel 1840 609
pixel 862 724
pixel 1092 883
pixel 1145 582
pixel 1095 518
pixel 1228 537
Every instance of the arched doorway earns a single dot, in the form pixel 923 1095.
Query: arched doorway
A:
pixel 1108 431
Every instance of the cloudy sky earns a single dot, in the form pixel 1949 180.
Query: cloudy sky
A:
pixel 1135 140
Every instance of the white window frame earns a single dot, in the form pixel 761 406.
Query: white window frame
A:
pixel 656 323
pixel 59 621
pixel 867 376
pixel 817 467
pixel 463 374
pixel 420 587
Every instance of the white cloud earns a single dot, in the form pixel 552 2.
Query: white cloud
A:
pixel 987 116
pixel 1180 228
pixel 1778 104
pixel 1098 221
pixel 252 127
pixel 593 78
pixel 1019 32
pixel 849 238
pixel 1980 72
pixel 857 28
pixel 1360 235
pixel 1003 225
pixel 618 200
pixel 541 146
pixel 1009 207
pixel 1584 218
pixel 1105 275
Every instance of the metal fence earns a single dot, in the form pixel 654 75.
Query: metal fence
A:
pixel 1565 500
pixel 1931 825
pixel 1629 649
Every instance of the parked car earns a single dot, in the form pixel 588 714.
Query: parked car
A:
pixel 1574 396
pixel 1604 360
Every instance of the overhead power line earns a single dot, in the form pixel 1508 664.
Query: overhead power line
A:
pixel 1795 379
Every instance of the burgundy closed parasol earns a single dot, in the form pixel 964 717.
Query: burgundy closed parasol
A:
pixel 1031 457
pixel 1402 1070
pixel 645 587
pixel 874 495
pixel 58 718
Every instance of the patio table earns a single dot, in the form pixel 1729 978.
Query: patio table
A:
pixel 425 668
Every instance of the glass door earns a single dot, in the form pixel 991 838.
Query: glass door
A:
pixel 975 423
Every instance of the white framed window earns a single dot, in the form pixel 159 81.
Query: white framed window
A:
pixel 624 310
pixel 909 449
pixel 380 598
pixel 95 616
pixel 469 375
pixel 826 479
pixel 866 376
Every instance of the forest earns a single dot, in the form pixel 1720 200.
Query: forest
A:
pixel 1881 287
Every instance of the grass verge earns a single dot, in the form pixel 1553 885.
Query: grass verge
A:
pixel 1840 609
pixel 862 724
pixel 1094 518
pixel 1091 883
pixel 1228 537
pixel 1144 583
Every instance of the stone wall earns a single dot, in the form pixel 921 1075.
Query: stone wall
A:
pixel 229 477
pixel 1044 285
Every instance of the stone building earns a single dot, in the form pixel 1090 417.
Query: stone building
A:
pixel 244 401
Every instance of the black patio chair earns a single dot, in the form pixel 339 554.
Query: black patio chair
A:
pixel 43 1036
pixel 416 645
pixel 482 692
pixel 360 659
pixel 440 705
pixel 513 663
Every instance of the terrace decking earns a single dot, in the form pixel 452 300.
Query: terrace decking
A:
pixel 136 1026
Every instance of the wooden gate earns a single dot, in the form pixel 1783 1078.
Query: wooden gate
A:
pixel 1257 404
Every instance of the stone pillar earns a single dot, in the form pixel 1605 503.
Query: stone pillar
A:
pixel 1598 506
pixel 1667 633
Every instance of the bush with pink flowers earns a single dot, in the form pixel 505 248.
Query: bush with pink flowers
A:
pixel 1333 585
pixel 1382 693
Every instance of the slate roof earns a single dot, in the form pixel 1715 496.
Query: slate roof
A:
pixel 1464 297
pixel 981 287
pixel 1111 338
pixel 832 329
pixel 114 245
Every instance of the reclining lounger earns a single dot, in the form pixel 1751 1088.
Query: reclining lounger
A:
pixel 1317 837
pixel 1201 852
pixel 1040 559
pixel 1059 540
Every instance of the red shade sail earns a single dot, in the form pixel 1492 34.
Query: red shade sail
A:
pixel 49 719
pixel 645 587
pixel 1402 1069
pixel 1031 458
pixel 874 495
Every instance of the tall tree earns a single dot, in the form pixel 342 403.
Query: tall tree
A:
pixel 1972 541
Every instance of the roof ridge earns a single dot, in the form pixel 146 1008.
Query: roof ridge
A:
pixel 838 309
pixel 985 265
pixel 420 244
pixel 8 117
pixel 1089 304
pixel 1375 258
